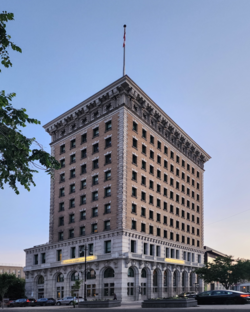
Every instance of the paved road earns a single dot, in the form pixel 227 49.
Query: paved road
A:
pixel 134 307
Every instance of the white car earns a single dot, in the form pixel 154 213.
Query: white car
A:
pixel 69 300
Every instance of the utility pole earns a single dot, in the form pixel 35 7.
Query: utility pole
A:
pixel 85 286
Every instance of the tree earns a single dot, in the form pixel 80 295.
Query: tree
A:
pixel 6 280
pixel 17 157
pixel 17 289
pixel 76 287
pixel 225 270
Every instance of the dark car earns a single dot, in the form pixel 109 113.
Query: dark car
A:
pixel 23 303
pixel 223 297
pixel 45 302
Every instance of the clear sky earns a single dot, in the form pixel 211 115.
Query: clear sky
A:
pixel 190 56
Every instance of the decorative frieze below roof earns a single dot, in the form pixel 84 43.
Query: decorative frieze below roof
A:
pixel 125 92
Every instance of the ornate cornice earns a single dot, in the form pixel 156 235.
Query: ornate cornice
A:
pixel 126 92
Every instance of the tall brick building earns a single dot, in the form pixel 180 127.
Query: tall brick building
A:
pixel 130 187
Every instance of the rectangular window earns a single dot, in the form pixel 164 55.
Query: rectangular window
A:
pixel 108 159
pixel 60 236
pixel 133 246
pixel 158 174
pixel 151 155
pixel 143 165
pixel 165 192
pixel 83 200
pixel 134 192
pixel 183 240
pixel 107 246
pixel 183 176
pixel 83 169
pixel 72 159
pixel 151 230
pixel 62 177
pixel 165 234
pixel 95 132
pixel 134 159
pixel 94 195
pixel 73 143
pixel 177 172
pixel 107 225
pixel 59 255
pixel 107 208
pixel 94 212
pixel 95 164
pixel 165 150
pixel 71 218
pixel 81 251
pixel 165 164
pixel 188 167
pixel 151 250
pixel 35 259
pixel 158 251
pixel 133 227
pixel 134 143
pixel 165 178
pixel 158 217
pixel 151 169
pixel 197 174
pixel 95 148
pixel 94 228
pixel 144 134
pixel 158 232
pixel 172 253
pixel 177 159
pixel 72 173
pixel 143 180
pixel 108 175
pixel 172 168
pixel 72 188
pixel 143 196
pixel 152 139
pixel 71 233
pixel 62 163
pixel 143 212
pixel 91 249
pixel 133 210
pixel 135 126
pixel 159 145
pixel 172 155
pixel 84 138
pixel 165 206
pixel 143 227
pixel 73 252
pixel 107 192
pixel 158 204
pixel 61 192
pixel 61 206
pixel 167 253
pixel 134 175
pixel 108 125
pixel 108 142
pixel 83 215
pixel 62 149
pixel 95 180
pixel 183 163
pixel 145 248
pixel 144 149
pixel 151 199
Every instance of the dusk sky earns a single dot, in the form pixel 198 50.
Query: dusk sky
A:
pixel 191 57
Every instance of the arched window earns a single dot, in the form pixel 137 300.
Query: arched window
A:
pixel 174 279
pixel 40 280
pixel 60 278
pixel 183 279
pixel 91 274
pixel 143 273
pixel 166 278
pixel 131 272
pixel 155 278
pixel 109 272
pixel 75 277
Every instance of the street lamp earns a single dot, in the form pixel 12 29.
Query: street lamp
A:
pixel 85 275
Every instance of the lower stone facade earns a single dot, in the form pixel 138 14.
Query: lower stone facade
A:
pixel 130 275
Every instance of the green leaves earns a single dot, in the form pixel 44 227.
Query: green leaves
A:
pixel 5 39
pixel 18 161
pixel 225 270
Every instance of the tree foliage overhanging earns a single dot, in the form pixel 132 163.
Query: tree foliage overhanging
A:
pixel 18 159
pixel 225 270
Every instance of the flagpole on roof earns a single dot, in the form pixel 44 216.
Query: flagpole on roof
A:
pixel 124 43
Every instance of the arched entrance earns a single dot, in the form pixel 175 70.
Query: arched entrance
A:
pixel 59 286
pixel 40 287
pixel 108 283
pixel 157 283
pixel 167 284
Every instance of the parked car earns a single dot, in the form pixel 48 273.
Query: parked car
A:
pixel 45 302
pixel 23 302
pixel 223 297
pixel 69 300
pixel 188 294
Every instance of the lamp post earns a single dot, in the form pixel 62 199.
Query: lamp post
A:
pixel 85 273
